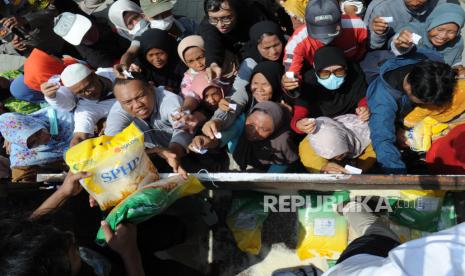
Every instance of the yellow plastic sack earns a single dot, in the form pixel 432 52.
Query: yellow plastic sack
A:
pixel 245 220
pixel 323 232
pixel 420 137
pixel 118 164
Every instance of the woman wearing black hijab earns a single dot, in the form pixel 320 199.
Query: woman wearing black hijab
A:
pixel 332 88
pixel 265 84
pixel 261 141
pixel 266 44
pixel 159 61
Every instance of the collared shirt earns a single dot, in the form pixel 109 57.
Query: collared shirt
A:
pixel 158 129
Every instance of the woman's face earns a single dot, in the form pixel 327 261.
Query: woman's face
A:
pixel 270 47
pixel 131 18
pixel 157 57
pixel 258 126
pixel 41 137
pixel 442 34
pixel 195 58
pixel 261 88
pixel 212 97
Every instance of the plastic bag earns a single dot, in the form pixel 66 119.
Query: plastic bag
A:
pixel 118 164
pixel 150 200
pixel 419 209
pixel 18 106
pixel 245 220
pixel 323 232
pixel 448 217
pixel 420 137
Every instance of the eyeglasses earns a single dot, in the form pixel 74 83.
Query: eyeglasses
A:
pixel 88 89
pixel 324 74
pixel 226 20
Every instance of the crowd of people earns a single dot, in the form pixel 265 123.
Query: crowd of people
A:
pixel 305 86
pixel 295 86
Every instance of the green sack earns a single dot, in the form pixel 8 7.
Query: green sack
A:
pixel 418 209
pixel 11 74
pixel 245 220
pixel 448 217
pixel 18 106
pixel 150 201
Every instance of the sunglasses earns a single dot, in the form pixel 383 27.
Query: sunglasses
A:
pixel 324 74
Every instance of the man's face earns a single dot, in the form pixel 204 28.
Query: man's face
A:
pixel 89 88
pixel 224 19
pixel 415 4
pixel 136 98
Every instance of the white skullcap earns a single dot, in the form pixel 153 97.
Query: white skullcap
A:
pixel 74 73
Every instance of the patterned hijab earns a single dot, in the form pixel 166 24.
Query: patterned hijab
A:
pixel 17 128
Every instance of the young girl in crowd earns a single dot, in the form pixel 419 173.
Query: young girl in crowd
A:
pixel 336 142
pixel 37 139
pixel 201 101
pixel 261 141
pixel 158 59
pixel 440 32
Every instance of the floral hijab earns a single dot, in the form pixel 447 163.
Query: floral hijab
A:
pixel 17 128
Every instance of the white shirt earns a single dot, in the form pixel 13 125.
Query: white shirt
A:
pixel 439 254
pixel 86 112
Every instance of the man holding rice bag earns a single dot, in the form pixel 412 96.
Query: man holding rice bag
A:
pixel 151 109
pixel 89 93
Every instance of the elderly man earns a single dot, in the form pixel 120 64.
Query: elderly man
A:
pixel 89 94
pixel 152 111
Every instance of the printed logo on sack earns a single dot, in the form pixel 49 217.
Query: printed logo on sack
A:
pixel 125 146
pixel 121 171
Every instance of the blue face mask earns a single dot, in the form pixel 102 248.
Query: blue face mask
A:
pixel 331 83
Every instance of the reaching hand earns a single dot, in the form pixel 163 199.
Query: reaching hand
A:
pixel 49 89
pixel 71 186
pixel 363 113
pixel 288 83
pixel 332 167
pixel 379 26
pixel 306 125
pixel 210 128
pixel 123 240
pixel 404 40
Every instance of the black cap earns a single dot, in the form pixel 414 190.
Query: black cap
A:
pixel 322 18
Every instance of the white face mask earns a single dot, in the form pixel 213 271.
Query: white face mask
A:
pixel 139 28
pixel 162 24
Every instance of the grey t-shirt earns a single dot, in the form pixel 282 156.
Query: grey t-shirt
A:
pixel 158 129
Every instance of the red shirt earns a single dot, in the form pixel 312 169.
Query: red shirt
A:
pixel 302 47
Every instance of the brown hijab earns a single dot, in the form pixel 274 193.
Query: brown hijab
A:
pixel 278 149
